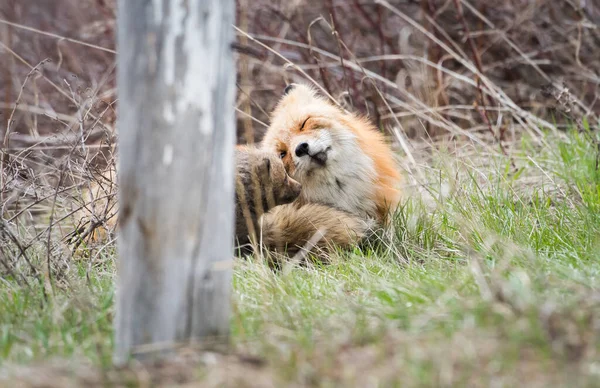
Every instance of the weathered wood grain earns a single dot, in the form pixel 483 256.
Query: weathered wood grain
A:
pixel 176 172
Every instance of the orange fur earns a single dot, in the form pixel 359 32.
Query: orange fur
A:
pixel 303 103
pixel 291 227
pixel 355 172
pixel 387 193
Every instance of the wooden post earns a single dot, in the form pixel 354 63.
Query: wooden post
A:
pixel 176 93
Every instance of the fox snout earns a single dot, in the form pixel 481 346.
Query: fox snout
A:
pixel 319 157
pixel 290 192
pixel 302 149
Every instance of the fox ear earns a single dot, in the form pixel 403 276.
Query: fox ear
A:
pixel 288 89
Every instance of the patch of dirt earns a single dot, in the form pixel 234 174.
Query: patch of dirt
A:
pixel 472 357
pixel 185 370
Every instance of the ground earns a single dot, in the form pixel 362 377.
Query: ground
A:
pixel 488 278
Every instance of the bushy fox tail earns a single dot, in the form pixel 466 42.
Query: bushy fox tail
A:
pixel 292 228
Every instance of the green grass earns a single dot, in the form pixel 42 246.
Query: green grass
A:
pixel 489 277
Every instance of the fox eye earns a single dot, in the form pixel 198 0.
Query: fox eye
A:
pixel 282 154
pixel 302 126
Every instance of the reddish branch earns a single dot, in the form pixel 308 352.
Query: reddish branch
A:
pixel 483 102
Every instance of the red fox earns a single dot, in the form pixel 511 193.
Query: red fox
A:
pixel 343 164
pixel 350 181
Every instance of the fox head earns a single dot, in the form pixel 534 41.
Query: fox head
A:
pixel 309 133
pixel 339 158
